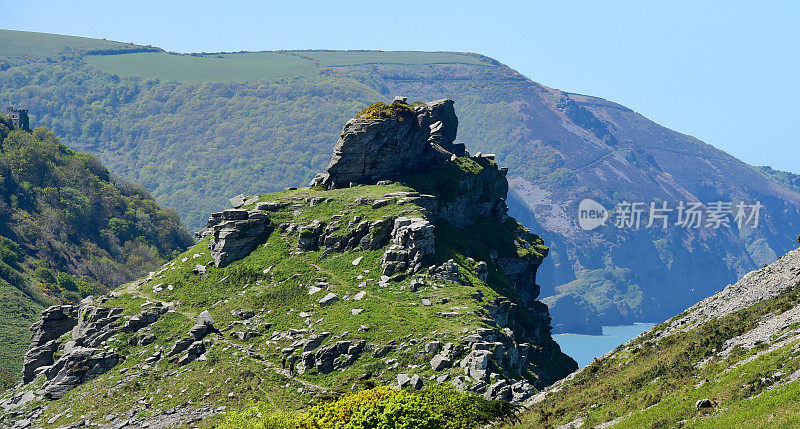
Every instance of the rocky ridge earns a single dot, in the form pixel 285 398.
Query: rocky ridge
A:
pixel 311 282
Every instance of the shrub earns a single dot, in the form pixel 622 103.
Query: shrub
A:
pixel 372 408
pixel 382 407
pixel 258 417
pixel 382 111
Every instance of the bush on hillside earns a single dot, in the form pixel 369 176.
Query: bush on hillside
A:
pixel 381 407
pixel 382 111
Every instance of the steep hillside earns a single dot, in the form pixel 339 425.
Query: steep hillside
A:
pixel 731 361
pixel 196 129
pixel 67 229
pixel 415 280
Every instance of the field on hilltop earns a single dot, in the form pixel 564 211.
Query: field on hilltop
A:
pixel 343 58
pixel 255 66
pixel 243 67
pixel 32 45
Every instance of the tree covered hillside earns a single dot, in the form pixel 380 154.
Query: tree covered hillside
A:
pixel 69 229
pixel 197 129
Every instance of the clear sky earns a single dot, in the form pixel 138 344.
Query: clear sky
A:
pixel 725 72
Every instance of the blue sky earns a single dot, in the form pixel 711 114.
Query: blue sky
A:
pixel 725 72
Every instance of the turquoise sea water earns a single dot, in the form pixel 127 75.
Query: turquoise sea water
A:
pixel 584 348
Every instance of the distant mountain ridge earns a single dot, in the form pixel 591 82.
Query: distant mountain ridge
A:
pixel 195 130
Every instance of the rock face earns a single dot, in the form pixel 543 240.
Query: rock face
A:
pixel 362 234
pixel 375 149
pixel 191 347
pixel 84 355
pixel 235 233
pixel 455 194
pixel 79 365
pixel 464 199
pixel 83 358
pixel 412 240
pixel 55 322
pixel 522 272
pixel 334 357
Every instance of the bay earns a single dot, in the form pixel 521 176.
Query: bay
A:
pixel 584 348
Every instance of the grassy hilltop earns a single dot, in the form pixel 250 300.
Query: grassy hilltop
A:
pixel 273 298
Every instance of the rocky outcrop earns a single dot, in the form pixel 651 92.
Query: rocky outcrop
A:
pixel 463 199
pixel 494 356
pixel 405 382
pixel 491 360
pixel 55 322
pixel 191 347
pixel 448 271
pixel 412 240
pixel 522 273
pixel 235 233
pixel 381 149
pixel 404 141
pixel 308 236
pixel 360 234
pixel 331 358
pixel 145 318
pixel 95 325
pixel 77 366
pixel 83 354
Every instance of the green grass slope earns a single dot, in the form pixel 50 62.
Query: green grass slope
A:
pixel 31 44
pixel 740 349
pixel 18 311
pixel 243 67
pixel 67 229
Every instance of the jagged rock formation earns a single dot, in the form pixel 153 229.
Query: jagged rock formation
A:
pixel 331 358
pixel 55 322
pixel 84 356
pixel 412 139
pixel 192 346
pixel 234 234
pixel 77 366
pixel 463 199
pixel 412 241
